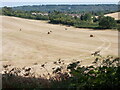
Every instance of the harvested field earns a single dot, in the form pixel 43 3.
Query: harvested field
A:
pixel 26 42
pixel 115 15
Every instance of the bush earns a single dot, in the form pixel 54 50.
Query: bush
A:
pixel 104 73
pixel 86 17
pixel 85 24
pixel 118 27
pixel 118 21
pixel 107 22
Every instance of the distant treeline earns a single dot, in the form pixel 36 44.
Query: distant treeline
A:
pixel 105 8
pixel 85 20
pixel 23 14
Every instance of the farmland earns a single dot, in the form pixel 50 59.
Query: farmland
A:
pixel 27 41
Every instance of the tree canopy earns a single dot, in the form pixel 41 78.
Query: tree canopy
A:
pixel 107 22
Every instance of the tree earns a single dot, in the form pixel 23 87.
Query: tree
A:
pixel 0 11
pixel 107 22
pixel 75 17
pixel 94 19
pixel 86 17
pixel 7 11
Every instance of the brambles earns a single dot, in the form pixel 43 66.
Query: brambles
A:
pixel 104 73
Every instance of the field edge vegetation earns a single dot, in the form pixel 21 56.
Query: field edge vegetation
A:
pixel 85 20
pixel 103 73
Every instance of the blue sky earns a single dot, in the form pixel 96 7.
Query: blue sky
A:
pixel 12 3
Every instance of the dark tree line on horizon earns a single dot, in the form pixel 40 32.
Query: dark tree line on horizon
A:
pixel 105 8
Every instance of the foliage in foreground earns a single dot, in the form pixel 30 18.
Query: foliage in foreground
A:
pixel 104 73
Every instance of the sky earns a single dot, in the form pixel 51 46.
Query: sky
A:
pixel 12 3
